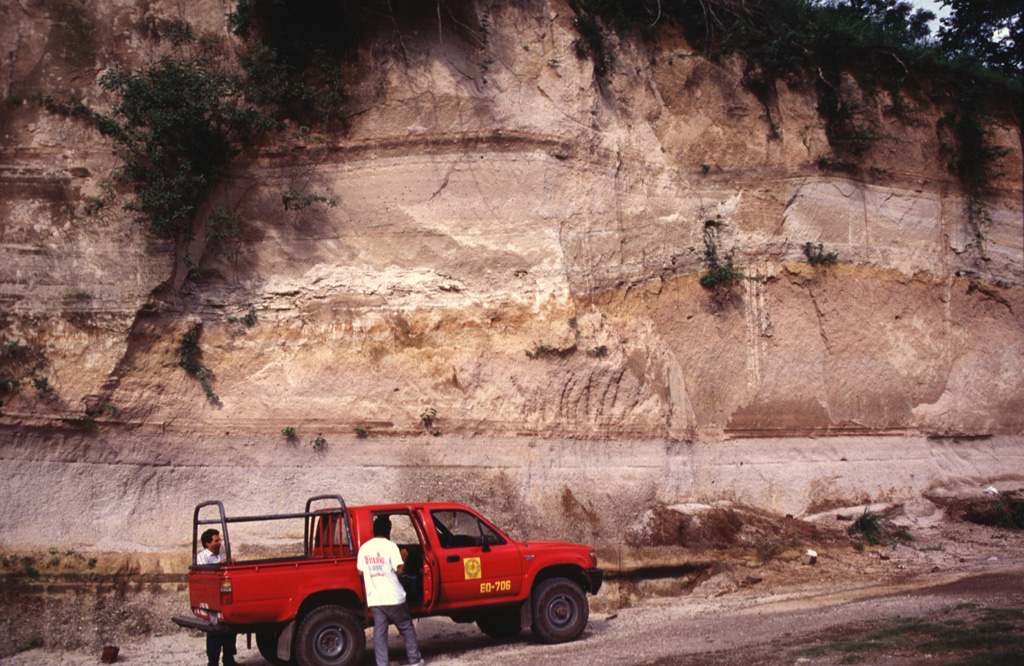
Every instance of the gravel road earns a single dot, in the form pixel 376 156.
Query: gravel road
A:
pixel 732 618
pixel 749 627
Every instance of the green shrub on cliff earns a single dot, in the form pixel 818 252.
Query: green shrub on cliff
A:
pixel 175 125
pixel 295 50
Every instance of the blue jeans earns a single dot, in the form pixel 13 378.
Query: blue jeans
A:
pixel 400 617
pixel 214 643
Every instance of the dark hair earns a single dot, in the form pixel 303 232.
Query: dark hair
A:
pixel 208 537
pixel 382 526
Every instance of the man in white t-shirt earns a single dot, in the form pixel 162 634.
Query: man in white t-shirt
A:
pixel 381 562
pixel 215 642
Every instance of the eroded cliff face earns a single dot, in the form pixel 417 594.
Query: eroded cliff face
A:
pixel 517 249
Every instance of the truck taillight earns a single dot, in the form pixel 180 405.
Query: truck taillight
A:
pixel 593 556
pixel 225 592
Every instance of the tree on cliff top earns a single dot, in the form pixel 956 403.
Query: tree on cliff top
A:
pixel 988 31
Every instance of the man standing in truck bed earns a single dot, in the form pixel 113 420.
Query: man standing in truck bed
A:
pixel 380 562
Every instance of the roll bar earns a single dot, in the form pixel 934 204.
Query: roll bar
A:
pixel 223 519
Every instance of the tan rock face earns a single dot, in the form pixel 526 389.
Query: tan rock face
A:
pixel 517 249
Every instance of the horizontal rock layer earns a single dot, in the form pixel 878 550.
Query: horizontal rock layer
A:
pixel 136 493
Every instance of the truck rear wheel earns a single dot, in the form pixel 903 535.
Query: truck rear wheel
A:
pixel 330 636
pixel 560 610
pixel 266 643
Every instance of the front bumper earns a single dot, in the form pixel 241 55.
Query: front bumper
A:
pixel 596 577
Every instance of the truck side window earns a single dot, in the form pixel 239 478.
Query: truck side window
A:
pixel 461 529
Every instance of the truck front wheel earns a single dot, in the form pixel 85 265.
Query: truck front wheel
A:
pixel 330 636
pixel 560 610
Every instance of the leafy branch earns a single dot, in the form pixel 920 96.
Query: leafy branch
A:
pixel 188 358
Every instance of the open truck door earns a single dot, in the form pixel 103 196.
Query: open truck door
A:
pixel 431 566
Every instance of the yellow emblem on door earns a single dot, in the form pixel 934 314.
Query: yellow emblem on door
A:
pixel 472 567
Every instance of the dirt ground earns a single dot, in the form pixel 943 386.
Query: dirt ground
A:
pixel 938 590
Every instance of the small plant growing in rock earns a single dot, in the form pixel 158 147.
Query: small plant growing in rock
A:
pixel 295 200
pixel 86 420
pixel 428 416
pixel 359 431
pixel 24 364
pixel 189 360
pixel 598 352
pixel 288 432
pixel 1012 516
pixel 319 443
pixel 42 384
pixel 818 256
pixel 249 319
pixel 869 524
pixel 720 269
pixel 539 351
pixel 29 568
pixel 878 529
pixel 92 205
pixel 76 297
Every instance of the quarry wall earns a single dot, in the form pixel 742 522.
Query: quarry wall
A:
pixel 503 307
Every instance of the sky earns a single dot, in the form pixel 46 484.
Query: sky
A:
pixel 935 6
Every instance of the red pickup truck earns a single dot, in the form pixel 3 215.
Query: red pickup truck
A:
pixel 310 609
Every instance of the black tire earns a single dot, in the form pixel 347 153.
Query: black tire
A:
pixel 501 624
pixel 266 643
pixel 330 636
pixel 560 610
